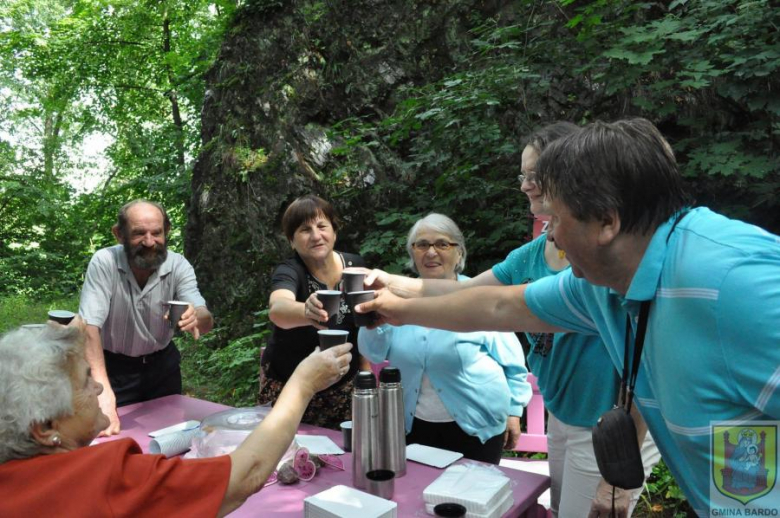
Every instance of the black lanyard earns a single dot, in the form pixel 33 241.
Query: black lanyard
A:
pixel 628 381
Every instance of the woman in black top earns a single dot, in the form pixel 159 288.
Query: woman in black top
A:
pixel 310 224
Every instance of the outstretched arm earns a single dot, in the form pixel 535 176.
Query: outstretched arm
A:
pixel 499 308
pixel 407 287
pixel 256 458
pixel 287 313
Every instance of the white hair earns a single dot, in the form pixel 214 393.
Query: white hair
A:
pixel 435 222
pixel 35 384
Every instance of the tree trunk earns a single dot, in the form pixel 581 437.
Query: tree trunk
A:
pixel 172 97
pixel 52 124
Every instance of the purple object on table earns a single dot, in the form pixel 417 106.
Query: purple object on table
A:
pixel 287 501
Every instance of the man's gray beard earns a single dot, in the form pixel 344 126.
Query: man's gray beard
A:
pixel 137 260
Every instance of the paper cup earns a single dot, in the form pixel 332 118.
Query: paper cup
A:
pixel 176 309
pixel 346 435
pixel 357 297
pixel 352 281
pixel 330 337
pixel 381 483
pixel 331 300
pixel 61 316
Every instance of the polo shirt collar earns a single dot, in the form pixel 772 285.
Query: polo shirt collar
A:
pixel 648 274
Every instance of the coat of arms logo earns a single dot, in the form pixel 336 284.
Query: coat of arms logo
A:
pixel 744 460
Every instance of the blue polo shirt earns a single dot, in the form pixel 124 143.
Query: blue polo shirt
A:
pixel 712 349
pixel 574 372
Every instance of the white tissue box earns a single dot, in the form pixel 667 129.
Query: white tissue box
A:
pixel 346 502
pixel 481 489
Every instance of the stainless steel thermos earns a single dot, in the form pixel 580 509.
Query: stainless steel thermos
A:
pixel 365 428
pixel 391 421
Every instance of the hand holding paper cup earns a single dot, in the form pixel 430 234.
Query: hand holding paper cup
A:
pixel 357 297
pixel 331 300
pixel 176 309
pixel 330 337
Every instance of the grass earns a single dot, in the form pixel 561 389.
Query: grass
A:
pixel 17 310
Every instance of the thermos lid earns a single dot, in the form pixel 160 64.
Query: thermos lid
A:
pixel 390 375
pixel 365 380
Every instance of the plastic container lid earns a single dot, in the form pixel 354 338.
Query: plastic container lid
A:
pixel 223 432
pixel 236 418
pixel 390 375
pixel 365 380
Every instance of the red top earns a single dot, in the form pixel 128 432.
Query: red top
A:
pixel 112 479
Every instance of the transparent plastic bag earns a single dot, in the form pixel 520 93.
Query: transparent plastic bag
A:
pixel 221 433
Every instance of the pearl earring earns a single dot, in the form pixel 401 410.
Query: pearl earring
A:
pixel 56 441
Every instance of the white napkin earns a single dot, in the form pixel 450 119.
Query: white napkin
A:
pixel 172 444
pixel 318 444
pixel 478 487
pixel 346 502
pixel 180 427
pixel 436 457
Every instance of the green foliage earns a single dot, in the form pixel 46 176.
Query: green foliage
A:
pixel 17 310
pixel 705 72
pixel 662 496
pixel 228 374
pixel 131 72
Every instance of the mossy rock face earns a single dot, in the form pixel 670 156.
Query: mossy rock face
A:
pixel 286 73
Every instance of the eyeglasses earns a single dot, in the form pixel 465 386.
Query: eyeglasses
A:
pixel 441 246
pixel 530 178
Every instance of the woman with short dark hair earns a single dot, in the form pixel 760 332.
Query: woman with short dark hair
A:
pixel 311 226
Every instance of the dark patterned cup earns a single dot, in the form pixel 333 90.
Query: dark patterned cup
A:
pixel 357 297
pixel 352 281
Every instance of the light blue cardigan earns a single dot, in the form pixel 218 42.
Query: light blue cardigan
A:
pixel 480 377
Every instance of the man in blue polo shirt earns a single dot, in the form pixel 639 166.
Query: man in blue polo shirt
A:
pixel 709 382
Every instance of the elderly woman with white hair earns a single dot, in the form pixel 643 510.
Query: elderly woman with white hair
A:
pixel 49 414
pixel 464 392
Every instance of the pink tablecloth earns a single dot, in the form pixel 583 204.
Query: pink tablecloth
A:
pixel 287 501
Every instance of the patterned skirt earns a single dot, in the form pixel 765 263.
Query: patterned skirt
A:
pixel 327 409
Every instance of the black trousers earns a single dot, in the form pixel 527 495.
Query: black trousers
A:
pixel 136 379
pixel 451 437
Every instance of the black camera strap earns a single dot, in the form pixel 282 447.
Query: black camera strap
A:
pixel 628 381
